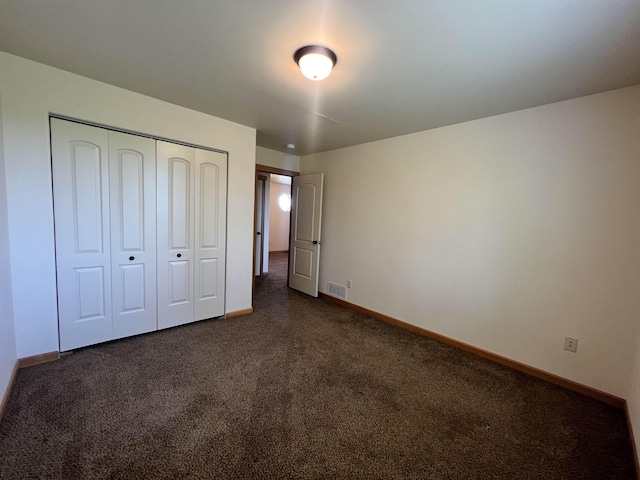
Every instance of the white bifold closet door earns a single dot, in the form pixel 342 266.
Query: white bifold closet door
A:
pixel 132 179
pixel 191 194
pixel 104 209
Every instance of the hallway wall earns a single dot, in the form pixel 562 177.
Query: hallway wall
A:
pixel 278 219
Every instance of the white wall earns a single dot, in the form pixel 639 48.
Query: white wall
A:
pixel 506 233
pixel 275 159
pixel 279 220
pixel 8 355
pixel 30 91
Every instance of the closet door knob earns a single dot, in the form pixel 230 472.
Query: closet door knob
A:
pixel 132 258
pixel 179 255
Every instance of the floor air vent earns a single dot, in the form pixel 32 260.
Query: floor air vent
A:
pixel 336 290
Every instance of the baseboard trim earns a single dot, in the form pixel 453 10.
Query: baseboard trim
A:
pixel 632 438
pixel 240 313
pixel 534 372
pixel 7 393
pixel 24 363
pixel 38 359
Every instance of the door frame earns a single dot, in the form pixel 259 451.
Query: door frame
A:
pixel 260 178
pixel 261 169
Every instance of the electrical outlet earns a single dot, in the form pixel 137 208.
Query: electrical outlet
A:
pixel 571 344
pixel 348 283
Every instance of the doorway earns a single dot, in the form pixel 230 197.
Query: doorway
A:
pixel 261 234
pixel 272 225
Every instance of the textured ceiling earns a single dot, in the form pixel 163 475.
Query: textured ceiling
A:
pixel 403 66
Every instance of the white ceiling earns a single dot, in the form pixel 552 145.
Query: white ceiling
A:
pixel 403 66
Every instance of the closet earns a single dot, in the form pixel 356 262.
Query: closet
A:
pixel 191 237
pixel 140 229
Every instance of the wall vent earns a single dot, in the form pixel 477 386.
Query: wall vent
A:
pixel 336 290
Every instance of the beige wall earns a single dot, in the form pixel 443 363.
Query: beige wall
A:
pixel 272 158
pixel 278 220
pixel 30 92
pixel 506 233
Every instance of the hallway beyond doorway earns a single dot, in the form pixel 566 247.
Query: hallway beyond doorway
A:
pixel 276 278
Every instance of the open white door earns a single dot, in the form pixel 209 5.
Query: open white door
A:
pixel 304 243
pixel 259 227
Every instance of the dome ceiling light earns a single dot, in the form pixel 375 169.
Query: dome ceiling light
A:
pixel 315 61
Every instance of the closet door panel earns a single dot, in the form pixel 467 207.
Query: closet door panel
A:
pixel 91 293
pixel 180 203
pixel 81 212
pixel 133 286
pixel 210 233
pixel 175 195
pixel 179 283
pixel 133 233
pixel 208 278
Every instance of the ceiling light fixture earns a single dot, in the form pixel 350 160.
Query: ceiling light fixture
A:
pixel 315 61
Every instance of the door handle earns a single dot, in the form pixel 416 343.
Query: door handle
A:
pixel 316 242
pixel 132 258
pixel 258 233
pixel 179 255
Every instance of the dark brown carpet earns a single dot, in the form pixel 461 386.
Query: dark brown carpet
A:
pixel 301 389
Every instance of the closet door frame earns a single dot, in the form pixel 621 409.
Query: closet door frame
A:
pixel 52 117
